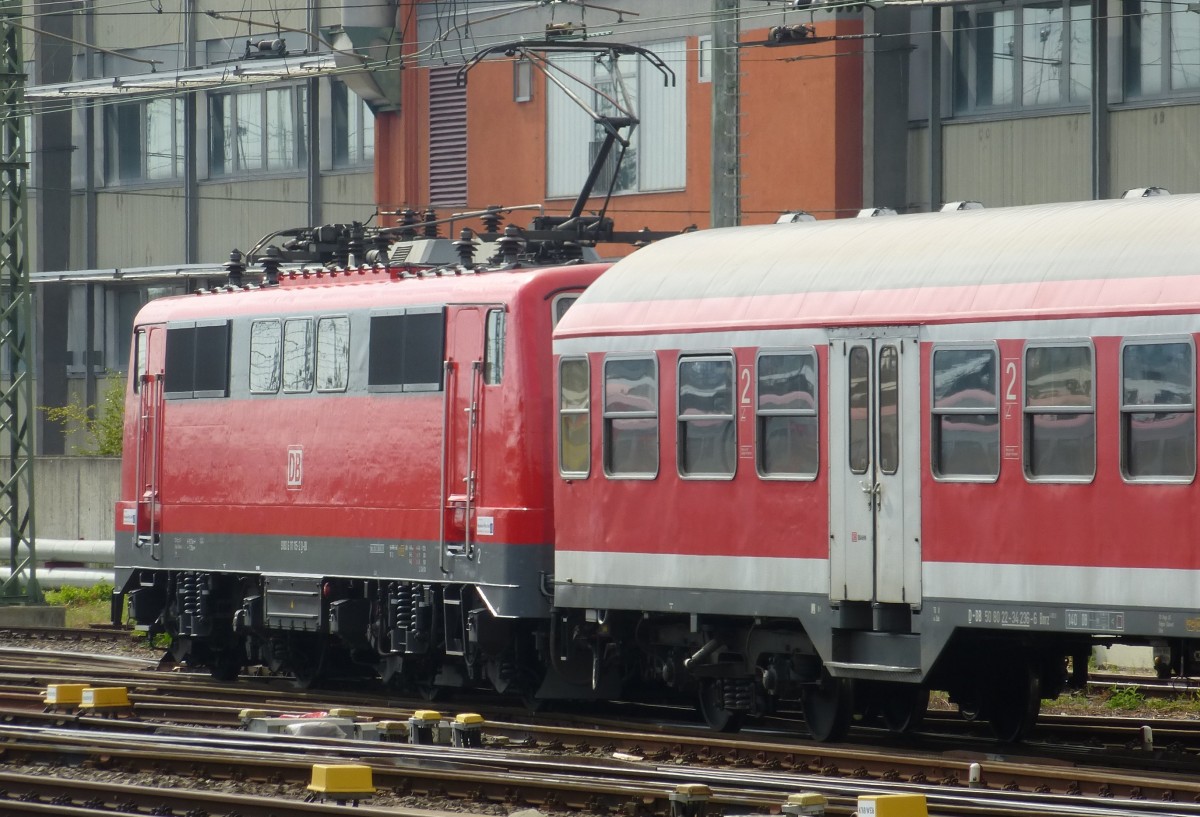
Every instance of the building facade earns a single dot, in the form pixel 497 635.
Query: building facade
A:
pixel 165 136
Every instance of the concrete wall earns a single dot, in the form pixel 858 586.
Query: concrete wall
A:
pixel 73 496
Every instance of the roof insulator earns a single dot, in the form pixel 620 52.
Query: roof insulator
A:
pixel 234 267
pixel 510 244
pixel 430 229
pixel 465 248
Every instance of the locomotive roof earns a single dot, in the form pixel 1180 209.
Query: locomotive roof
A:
pixel 1095 257
pixel 326 292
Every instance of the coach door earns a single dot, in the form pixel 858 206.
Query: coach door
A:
pixel 874 467
pixel 150 354
pixel 465 372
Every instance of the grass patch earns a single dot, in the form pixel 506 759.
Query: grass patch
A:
pixel 85 605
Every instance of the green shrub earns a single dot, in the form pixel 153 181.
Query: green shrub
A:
pixel 105 425
pixel 1126 698
pixel 80 596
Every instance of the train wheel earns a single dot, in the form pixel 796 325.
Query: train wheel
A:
pixel 712 707
pixel 225 665
pixel 903 708
pixel 828 707
pixel 1014 699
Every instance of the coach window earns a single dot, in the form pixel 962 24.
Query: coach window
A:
pixel 966 414
pixel 631 417
pixel 1060 413
pixel 141 364
pixel 265 345
pixel 574 417
pixel 493 353
pixel 333 353
pixel 298 355
pixel 787 415
pixel 1158 411
pixel 707 444
pixel 859 421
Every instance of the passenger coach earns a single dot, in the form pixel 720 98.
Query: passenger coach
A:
pixel 851 461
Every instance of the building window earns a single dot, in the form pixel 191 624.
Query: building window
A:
pixel 353 127
pixel 631 417
pixel 333 354
pixel 704 53
pixel 1028 57
pixel 1060 413
pixel 707 440
pixel 522 81
pixel 966 414
pixel 1162 48
pixel 656 158
pixel 574 417
pixel 266 346
pixel 143 141
pixel 1158 411
pixel 257 130
pixel 788 444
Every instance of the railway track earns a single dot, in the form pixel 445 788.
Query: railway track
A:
pixel 163 699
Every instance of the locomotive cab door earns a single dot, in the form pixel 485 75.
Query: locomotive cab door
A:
pixel 466 371
pixel 150 351
pixel 874 468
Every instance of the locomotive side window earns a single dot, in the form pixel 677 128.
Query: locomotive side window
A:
pixel 333 354
pixel 197 360
pixel 966 414
pixel 298 355
pixel 631 417
pixel 787 415
pixel 406 350
pixel 574 417
pixel 493 353
pixel 1158 411
pixel 707 437
pixel 1060 413
pixel 265 346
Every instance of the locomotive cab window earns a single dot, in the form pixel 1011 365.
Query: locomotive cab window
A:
pixel 141 365
pixel 561 304
pixel 493 352
pixel 965 441
pixel 631 417
pixel 574 417
pixel 406 350
pixel 707 439
pixel 1060 413
pixel 1158 411
pixel 197 360
pixel 788 445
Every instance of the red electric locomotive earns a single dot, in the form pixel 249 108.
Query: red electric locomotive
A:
pixel 846 462
pixel 348 469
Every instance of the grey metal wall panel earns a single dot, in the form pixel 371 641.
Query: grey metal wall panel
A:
pixel 1018 161
pixel 139 227
pixel 918 171
pixel 237 214
pixel 1156 146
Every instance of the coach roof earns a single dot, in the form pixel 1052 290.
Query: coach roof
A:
pixel 1096 257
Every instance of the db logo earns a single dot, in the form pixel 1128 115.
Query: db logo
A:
pixel 295 467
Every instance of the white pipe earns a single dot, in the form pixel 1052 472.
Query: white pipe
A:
pixel 89 551
pixel 54 577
